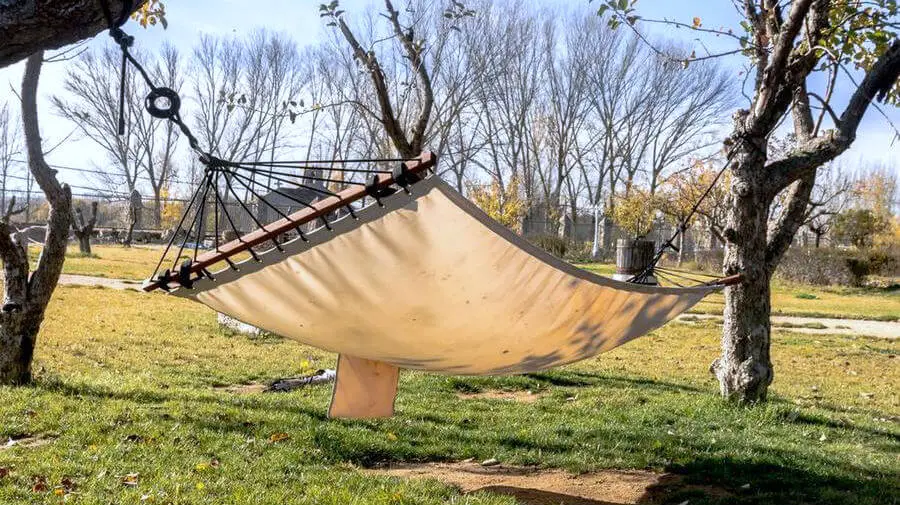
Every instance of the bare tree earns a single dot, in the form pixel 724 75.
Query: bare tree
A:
pixel 10 148
pixel 778 42
pixel 25 297
pixel 92 106
pixel 507 94
pixel 407 137
pixel 84 229
pixel 243 89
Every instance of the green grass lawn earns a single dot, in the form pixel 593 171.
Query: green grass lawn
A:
pixel 126 407
pixel 112 261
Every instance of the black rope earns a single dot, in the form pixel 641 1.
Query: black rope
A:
pixel 175 232
pixel 247 210
pixel 225 210
pixel 680 276
pixel 359 160
pixel 264 199
pixel 201 225
pixel 685 223
pixel 667 278
pixel 297 176
pixel 216 211
pixel 302 166
pixel 294 183
pixel 187 234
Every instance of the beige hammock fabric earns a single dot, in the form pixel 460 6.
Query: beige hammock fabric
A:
pixel 430 282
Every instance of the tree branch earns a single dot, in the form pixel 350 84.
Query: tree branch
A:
pixel 389 119
pixel 793 217
pixel 414 53
pixel 36 25
pixel 49 266
pixel 824 148
pixel 783 47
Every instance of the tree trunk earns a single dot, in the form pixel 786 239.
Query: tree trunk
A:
pixel 744 369
pixel 84 243
pixel 26 297
pixel 680 249
pixel 129 234
pixel 18 334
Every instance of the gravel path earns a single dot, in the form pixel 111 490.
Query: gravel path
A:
pixel 87 280
pixel 823 326
pixel 881 329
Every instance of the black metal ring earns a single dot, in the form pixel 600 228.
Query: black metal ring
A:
pixel 159 112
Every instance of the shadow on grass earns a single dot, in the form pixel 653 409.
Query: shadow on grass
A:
pixel 566 378
pixel 146 397
pixel 529 496
pixel 750 482
pixel 765 475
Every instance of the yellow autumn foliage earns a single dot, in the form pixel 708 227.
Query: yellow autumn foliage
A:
pixel 504 205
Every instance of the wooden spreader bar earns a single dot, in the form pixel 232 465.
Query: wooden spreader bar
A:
pixel 417 166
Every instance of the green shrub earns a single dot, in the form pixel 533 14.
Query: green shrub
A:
pixel 580 252
pixel 552 244
pixel 832 266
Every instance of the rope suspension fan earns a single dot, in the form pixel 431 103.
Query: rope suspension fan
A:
pixel 383 263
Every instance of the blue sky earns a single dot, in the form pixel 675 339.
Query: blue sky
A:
pixel 299 18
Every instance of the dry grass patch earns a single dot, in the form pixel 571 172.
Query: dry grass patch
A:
pixel 511 396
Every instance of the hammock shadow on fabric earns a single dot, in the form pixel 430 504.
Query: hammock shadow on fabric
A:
pixel 413 275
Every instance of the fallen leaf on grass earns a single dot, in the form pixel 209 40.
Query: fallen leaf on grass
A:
pixel 68 484
pixel 278 437
pixel 40 484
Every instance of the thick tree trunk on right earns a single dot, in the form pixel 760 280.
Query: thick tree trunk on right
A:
pixel 744 369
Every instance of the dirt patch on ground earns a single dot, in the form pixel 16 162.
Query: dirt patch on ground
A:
pixel 27 441
pixel 242 389
pixel 514 396
pixel 530 486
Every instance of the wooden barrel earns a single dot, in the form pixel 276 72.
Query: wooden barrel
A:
pixel 633 256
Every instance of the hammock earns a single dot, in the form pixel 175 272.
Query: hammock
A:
pixel 419 278
pixel 395 271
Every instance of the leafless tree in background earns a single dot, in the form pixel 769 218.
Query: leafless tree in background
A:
pixel 10 148
pixel 91 104
pixel 243 89
pixel 159 138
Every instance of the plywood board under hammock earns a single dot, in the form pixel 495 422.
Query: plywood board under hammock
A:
pixel 429 282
